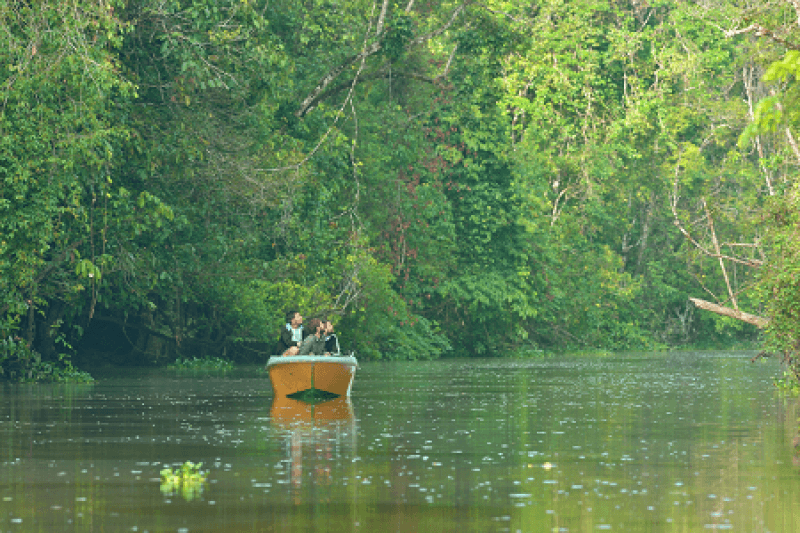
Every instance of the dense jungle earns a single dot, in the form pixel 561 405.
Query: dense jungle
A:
pixel 438 177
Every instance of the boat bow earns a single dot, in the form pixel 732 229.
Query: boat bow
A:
pixel 312 376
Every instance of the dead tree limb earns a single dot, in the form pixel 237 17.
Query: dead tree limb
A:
pixel 719 255
pixel 758 321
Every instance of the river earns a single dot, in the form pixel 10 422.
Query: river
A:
pixel 679 442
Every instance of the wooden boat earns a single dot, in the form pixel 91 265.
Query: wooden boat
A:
pixel 312 378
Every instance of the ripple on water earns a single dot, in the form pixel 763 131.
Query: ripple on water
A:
pixel 638 440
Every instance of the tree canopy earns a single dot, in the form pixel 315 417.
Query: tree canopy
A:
pixel 437 177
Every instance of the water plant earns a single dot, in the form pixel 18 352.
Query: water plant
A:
pixel 201 364
pixel 788 383
pixel 528 352
pixel 187 480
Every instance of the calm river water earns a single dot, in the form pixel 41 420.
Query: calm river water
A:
pixel 635 442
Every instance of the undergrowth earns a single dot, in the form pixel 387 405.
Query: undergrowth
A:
pixel 20 364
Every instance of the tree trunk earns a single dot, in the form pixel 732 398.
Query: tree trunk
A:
pixel 47 329
pixel 757 321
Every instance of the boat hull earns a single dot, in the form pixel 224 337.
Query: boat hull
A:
pixel 293 375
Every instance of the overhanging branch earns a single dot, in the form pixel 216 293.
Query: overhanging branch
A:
pixel 758 321
pixel 320 91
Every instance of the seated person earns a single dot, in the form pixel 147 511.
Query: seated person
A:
pixel 291 335
pixel 331 342
pixel 314 344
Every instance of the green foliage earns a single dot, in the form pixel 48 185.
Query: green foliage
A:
pixel 204 364
pixel 775 120
pixel 778 280
pixel 399 31
pixel 780 109
pixel 384 327
pixel 788 383
pixel 188 481
pixel 20 364
pixel 56 143
pixel 469 179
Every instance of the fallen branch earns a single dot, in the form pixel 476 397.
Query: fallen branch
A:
pixel 758 321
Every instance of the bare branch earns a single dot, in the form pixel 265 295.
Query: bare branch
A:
pixel 760 31
pixel 747 78
pixel 435 33
pixel 756 320
pixel 796 4
pixel 316 95
pixel 447 65
pixel 719 256
pixel 733 33
pixel 789 136
pixel 504 14
pixel 385 72
pixel 381 17
pixel 709 253
pixel 312 99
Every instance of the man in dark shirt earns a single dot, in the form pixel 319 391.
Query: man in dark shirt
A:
pixel 291 335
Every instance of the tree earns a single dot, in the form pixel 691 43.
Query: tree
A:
pixel 57 145
pixel 774 123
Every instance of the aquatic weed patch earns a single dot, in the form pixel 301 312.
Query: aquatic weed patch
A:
pixel 187 480
pixel 788 383
pixel 203 364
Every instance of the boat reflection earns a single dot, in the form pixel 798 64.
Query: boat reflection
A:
pixel 320 441
pixel 287 412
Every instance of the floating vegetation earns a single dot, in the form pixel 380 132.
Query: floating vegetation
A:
pixel 313 396
pixel 64 373
pixel 204 364
pixel 529 352
pixel 788 383
pixel 188 481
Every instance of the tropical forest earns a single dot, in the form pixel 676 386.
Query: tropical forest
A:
pixel 439 178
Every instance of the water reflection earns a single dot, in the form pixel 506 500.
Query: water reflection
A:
pixel 286 412
pixel 318 438
pixel 631 443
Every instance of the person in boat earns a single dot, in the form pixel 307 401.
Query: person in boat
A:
pixel 331 342
pixel 291 334
pixel 314 344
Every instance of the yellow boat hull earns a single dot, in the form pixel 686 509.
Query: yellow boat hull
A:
pixel 292 375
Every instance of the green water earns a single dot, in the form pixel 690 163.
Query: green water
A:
pixel 636 442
